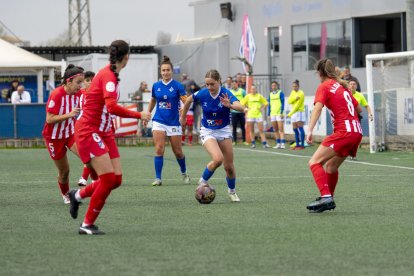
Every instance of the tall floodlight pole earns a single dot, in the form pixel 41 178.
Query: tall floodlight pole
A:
pixel 79 23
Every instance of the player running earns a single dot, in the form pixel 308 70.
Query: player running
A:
pixel 343 108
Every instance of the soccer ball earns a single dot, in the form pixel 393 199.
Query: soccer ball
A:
pixel 205 193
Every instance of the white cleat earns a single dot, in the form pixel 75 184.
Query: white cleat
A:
pixel 186 178
pixel 66 199
pixel 233 197
pixel 82 182
pixel 157 182
pixel 282 146
pixel 278 146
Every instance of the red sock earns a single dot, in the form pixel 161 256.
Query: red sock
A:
pixel 332 180
pixel 99 196
pixel 85 173
pixel 190 139
pixel 183 138
pixel 89 189
pixel 64 188
pixel 319 175
pixel 118 181
pixel 94 175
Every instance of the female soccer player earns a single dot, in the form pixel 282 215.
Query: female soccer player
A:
pixel 95 139
pixel 166 94
pixel 277 108
pixel 62 108
pixel 256 104
pixel 297 100
pixel 215 133
pixel 88 76
pixel 343 108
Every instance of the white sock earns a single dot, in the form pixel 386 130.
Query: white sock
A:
pixel 232 191
pixel 84 224
pixel 77 196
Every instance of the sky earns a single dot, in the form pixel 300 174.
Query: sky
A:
pixel 136 21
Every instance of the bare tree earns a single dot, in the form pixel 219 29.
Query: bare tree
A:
pixel 61 40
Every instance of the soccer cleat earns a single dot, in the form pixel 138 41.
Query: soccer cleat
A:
pixel 233 197
pixel 90 230
pixel 74 204
pixel 82 182
pixel 266 146
pixel 321 204
pixel 282 146
pixel 353 159
pixel 157 182
pixel 278 146
pixel 66 199
pixel 186 178
pixel 253 146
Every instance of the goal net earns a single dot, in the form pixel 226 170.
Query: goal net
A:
pixel 390 88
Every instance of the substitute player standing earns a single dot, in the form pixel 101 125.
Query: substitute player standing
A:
pixel 166 95
pixel 343 108
pixel 276 110
pixel 297 100
pixel 62 108
pixel 215 133
pixel 95 139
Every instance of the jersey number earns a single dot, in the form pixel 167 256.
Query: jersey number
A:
pixel 350 105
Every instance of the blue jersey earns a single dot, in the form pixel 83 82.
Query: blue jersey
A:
pixel 215 115
pixel 167 96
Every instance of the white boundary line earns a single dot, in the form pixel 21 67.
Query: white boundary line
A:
pixel 305 156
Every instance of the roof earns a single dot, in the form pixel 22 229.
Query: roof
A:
pixel 13 57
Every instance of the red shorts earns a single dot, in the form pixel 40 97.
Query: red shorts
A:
pixel 96 144
pixel 190 120
pixel 343 143
pixel 58 147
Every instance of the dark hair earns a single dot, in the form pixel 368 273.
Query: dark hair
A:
pixel 166 60
pixel 275 82
pixel 296 82
pixel 117 51
pixel 89 74
pixel 213 74
pixel 71 72
pixel 326 69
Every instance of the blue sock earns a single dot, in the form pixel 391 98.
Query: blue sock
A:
pixel 277 141
pixel 296 136
pixel 158 163
pixel 207 174
pixel 264 143
pixel 302 136
pixel 283 141
pixel 231 183
pixel 253 142
pixel 181 162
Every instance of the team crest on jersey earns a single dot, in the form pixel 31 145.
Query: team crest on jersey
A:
pixel 171 89
pixel 51 104
pixel 110 86
pixel 165 97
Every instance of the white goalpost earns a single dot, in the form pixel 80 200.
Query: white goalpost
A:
pixel 390 89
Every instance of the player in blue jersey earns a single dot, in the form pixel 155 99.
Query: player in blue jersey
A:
pixel 166 96
pixel 216 135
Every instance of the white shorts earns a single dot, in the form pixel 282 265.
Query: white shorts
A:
pixel 277 118
pixel 169 130
pixel 254 120
pixel 298 117
pixel 216 134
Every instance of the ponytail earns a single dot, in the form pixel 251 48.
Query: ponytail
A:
pixel 117 51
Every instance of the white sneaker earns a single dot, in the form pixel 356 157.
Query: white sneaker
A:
pixel 253 146
pixel 157 182
pixel 233 197
pixel 278 146
pixel 186 178
pixel 282 146
pixel 66 199
pixel 266 146
pixel 82 181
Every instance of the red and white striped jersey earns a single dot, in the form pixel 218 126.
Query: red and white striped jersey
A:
pixel 341 106
pixel 82 98
pixel 94 115
pixel 60 103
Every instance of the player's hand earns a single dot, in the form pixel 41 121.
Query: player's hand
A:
pixel 75 112
pixel 225 101
pixel 145 116
pixel 183 120
pixel 309 138
pixel 145 123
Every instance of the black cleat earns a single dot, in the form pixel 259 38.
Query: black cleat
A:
pixel 321 204
pixel 90 230
pixel 74 204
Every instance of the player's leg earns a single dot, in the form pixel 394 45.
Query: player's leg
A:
pixel 296 131
pixel 281 131
pixel 332 172
pixel 190 134
pixel 262 135
pixel 228 164
pixel 250 126
pixel 243 126
pixel 276 132
pixel 177 149
pixel 234 122
pixel 62 166
pixel 217 158
pixel 159 143
pixel 301 131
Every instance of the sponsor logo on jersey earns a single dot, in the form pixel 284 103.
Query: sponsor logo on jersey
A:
pixel 215 122
pixel 51 104
pixel 165 97
pixel 110 86
pixel 164 105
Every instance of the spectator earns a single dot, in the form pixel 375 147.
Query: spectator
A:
pixel 138 95
pixel 13 88
pixel 243 81
pixel 346 75
pixel 228 82
pixel 185 81
pixel 20 96
pixel 237 117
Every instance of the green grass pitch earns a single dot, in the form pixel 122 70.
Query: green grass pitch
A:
pixel 165 231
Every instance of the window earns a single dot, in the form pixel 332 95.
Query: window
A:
pixel 274 58
pixel 299 41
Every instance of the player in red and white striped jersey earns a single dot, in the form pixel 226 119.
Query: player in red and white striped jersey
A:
pixel 343 108
pixel 95 138
pixel 62 108
pixel 88 76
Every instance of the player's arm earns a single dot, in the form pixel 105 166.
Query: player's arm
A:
pixel 53 118
pixel 123 112
pixel 282 102
pixel 316 113
pixel 186 107
pixel 292 98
